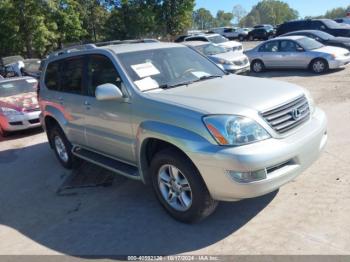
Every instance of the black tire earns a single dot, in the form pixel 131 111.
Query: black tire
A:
pixel 71 159
pixel 319 66
pixel 202 203
pixel 241 38
pixel 3 133
pixel 257 66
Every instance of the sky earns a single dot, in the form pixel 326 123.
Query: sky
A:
pixel 304 7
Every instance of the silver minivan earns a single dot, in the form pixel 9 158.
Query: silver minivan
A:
pixel 165 115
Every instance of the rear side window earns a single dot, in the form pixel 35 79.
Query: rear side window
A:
pixel 72 75
pixel 197 39
pixel 101 71
pixel 269 47
pixel 52 76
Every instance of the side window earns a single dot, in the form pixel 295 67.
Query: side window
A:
pixel 101 71
pixel 229 30
pixel 197 39
pixel 318 25
pixel 288 46
pixel 52 76
pixel 269 47
pixel 72 75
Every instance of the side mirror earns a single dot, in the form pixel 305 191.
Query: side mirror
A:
pixel 300 49
pixel 108 92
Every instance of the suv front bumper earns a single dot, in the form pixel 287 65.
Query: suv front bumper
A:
pixel 301 148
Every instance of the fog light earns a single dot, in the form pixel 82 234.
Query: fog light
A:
pixel 246 177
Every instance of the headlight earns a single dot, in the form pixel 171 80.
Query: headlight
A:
pixel 224 62
pixel 9 111
pixel 234 130
pixel 310 100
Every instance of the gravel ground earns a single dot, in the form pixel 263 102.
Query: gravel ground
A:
pixel 42 211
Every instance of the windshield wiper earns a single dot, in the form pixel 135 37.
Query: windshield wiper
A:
pixel 167 86
pixel 202 78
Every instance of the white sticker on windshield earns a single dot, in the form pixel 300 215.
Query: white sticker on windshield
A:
pixel 145 69
pixel 147 83
pixel 31 81
pixel 200 74
pixel 7 85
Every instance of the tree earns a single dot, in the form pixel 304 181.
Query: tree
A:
pixel 203 19
pixel 270 12
pixel 223 19
pixel 177 15
pixel 238 13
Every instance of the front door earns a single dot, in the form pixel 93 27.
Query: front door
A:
pixel 108 123
pixel 292 55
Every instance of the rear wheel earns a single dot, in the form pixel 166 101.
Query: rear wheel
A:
pixel 241 38
pixel 319 66
pixel 62 147
pixel 257 66
pixel 180 188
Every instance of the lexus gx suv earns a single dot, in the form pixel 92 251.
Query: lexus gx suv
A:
pixel 165 115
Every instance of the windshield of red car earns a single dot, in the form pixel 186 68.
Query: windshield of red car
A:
pixel 16 87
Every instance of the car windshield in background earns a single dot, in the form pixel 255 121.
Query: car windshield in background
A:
pixel 218 39
pixel 334 25
pixel 323 35
pixel 11 88
pixel 309 44
pixel 211 49
pixel 167 67
pixel 11 59
pixel 32 65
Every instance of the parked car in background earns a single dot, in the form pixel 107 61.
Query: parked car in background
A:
pixel 10 66
pixel 232 32
pixel 327 25
pixel 297 52
pixel 180 38
pixel 323 38
pixel 232 62
pixel 19 108
pixel 345 20
pixel 217 39
pixel 261 33
pixel 165 115
pixel 268 26
pixel 32 67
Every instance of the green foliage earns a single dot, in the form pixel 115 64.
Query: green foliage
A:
pixel 223 19
pixel 203 19
pixel 269 12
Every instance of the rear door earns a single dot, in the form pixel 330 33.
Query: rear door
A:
pixel 269 54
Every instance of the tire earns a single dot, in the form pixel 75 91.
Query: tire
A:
pixel 257 66
pixel 319 66
pixel 3 133
pixel 251 38
pixel 192 192
pixel 62 147
pixel 241 38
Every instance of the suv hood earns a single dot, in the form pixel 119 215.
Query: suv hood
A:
pixel 231 94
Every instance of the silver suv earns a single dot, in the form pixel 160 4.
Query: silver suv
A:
pixel 165 115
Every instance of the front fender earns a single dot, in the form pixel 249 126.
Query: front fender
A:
pixel 55 113
pixel 184 139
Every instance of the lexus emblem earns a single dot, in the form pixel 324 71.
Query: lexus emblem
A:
pixel 296 114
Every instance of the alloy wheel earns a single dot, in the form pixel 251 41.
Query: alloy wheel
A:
pixel 175 188
pixel 61 149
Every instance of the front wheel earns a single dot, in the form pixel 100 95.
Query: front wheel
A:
pixel 241 38
pixel 257 66
pixel 180 188
pixel 3 133
pixel 319 66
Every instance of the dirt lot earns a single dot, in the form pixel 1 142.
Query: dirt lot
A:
pixel 42 211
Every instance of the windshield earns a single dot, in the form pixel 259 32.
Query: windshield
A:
pixel 309 44
pixel 211 49
pixel 332 24
pixel 11 88
pixel 323 35
pixel 218 39
pixel 32 65
pixel 167 67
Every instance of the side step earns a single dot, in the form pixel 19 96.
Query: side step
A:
pixel 107 162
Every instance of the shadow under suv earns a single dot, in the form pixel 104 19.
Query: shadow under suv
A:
pixel 163 114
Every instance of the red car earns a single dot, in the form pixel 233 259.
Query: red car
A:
pixel 19 108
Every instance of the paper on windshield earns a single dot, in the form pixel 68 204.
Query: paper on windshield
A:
pixel 145 69
pixel 147 83
pixel 200 74
pixel 7 85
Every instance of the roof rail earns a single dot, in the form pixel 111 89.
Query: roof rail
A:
pixel 90 46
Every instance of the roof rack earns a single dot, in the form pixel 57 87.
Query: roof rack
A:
pixel 98 44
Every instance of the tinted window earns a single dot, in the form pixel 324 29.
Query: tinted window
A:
pixel 288 46
pixel 309 44
pixel 72 75
pixel 197 39
pixel 101 71
pixel 52 76
pixel 269 47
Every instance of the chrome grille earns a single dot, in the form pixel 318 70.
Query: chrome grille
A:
pixel 288 116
